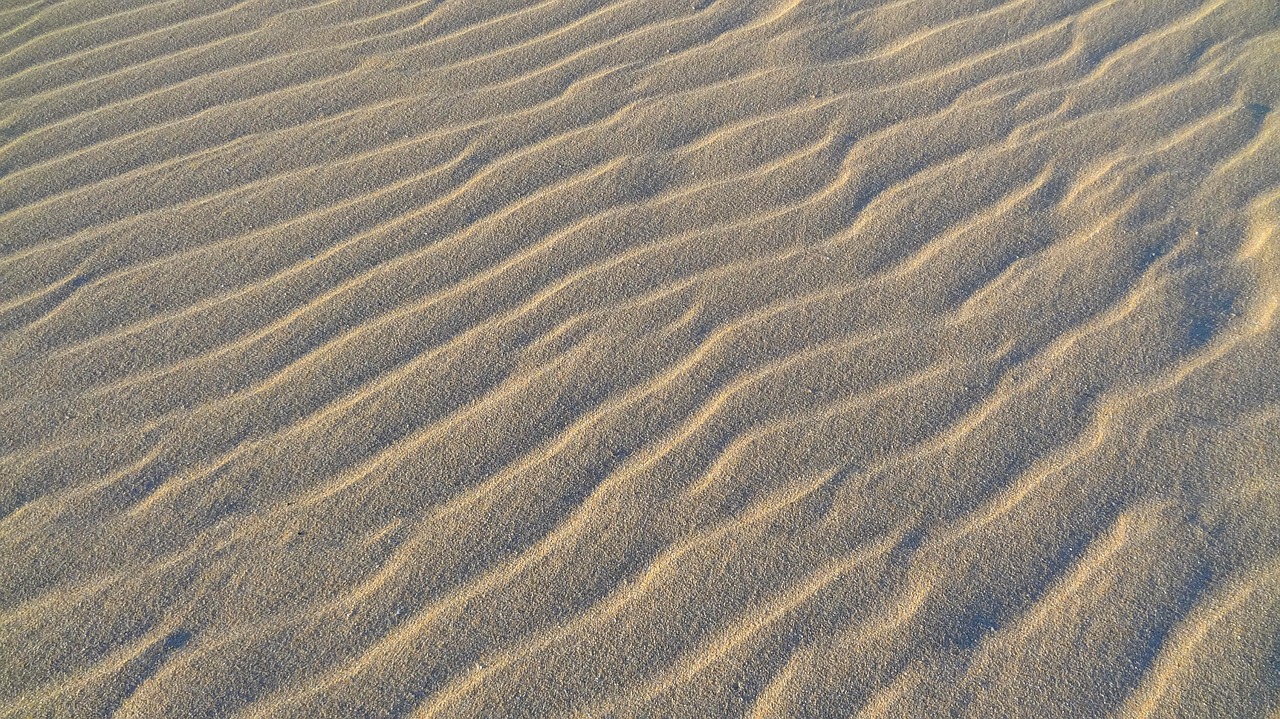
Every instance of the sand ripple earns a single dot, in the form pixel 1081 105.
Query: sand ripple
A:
pixel 639 358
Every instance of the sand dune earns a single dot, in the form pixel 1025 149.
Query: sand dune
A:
pixel 800 358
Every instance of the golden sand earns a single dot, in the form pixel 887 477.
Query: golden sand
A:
pixel 485 358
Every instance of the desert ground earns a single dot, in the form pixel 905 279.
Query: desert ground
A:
pixel 639 358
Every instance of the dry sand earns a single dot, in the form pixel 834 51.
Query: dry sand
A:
pixel 482 358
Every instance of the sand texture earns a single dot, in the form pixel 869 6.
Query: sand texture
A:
pixel 639 358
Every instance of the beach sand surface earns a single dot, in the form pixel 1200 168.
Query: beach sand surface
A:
pixel 639 358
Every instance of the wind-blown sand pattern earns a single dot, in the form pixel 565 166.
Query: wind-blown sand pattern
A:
pixel 478 358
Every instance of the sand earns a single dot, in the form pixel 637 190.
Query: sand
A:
pixel 484 358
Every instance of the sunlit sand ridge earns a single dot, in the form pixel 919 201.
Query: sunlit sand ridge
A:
pixel 710 358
